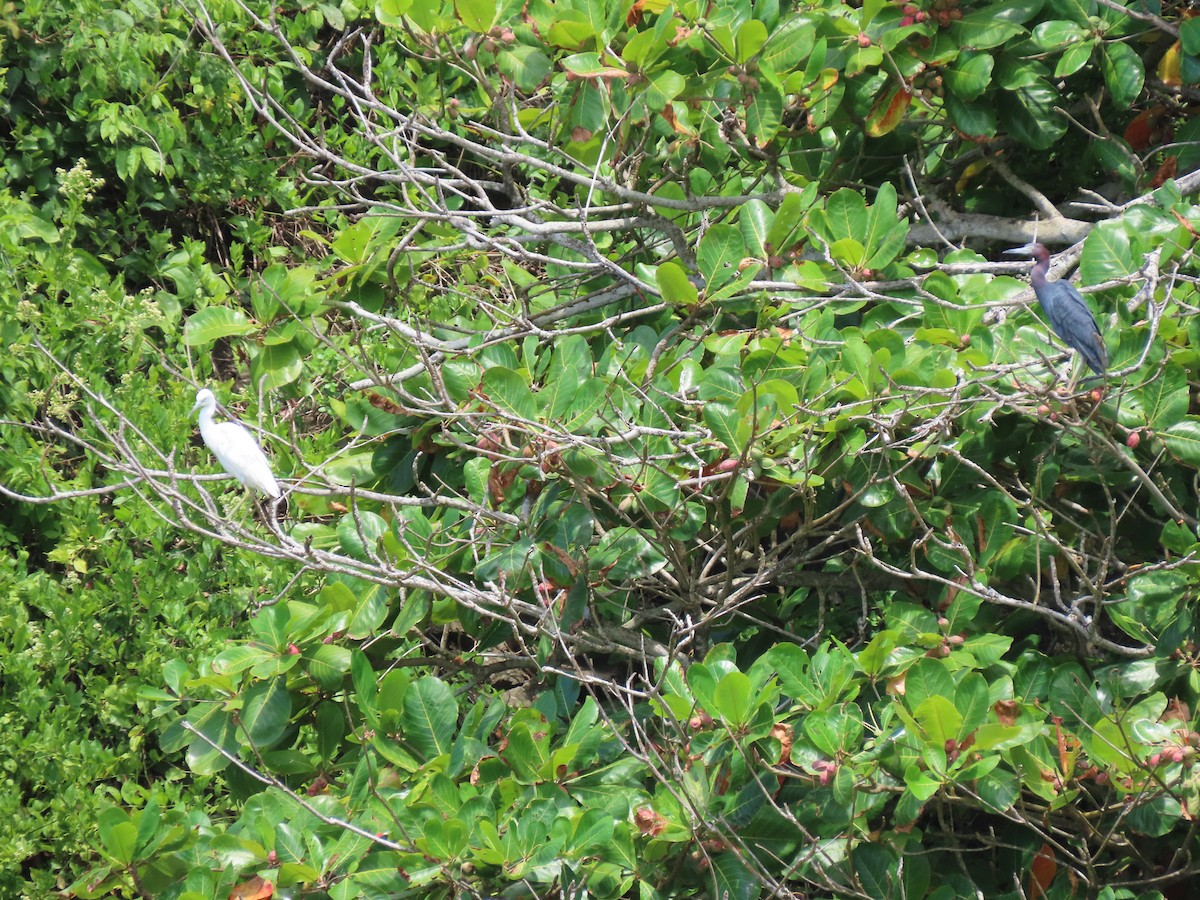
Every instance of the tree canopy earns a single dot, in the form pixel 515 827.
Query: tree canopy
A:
pixel 683 498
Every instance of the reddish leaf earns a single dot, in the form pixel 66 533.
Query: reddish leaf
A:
pixel 1006 711
pixel 257 888
pixel 668 113
pixel 1042 872
pixel 888 111
pixel 1149 127
pixel 648 821
pixel 1165 172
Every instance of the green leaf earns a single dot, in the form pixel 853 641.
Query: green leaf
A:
pixel 927 678
pixel 266 708
pixel 478 15
pixel 1107 254
pixel 588 65
pixel 845 215
pixel 783 228
pixel 217 733
pixel 1165 399
pixel 508 560
pixel 363 677
pixel 624 554
pixel 998 790
pixel 148 822
pixel 1055 33
pixel 970 75
pixel 719 255
pixel 573 34
pixel 972 700
pixel 725 423
pixel 525 65
pixel 789 45
pixel 886 232
pixel 1183 440
pixel 873 658
pixel 1123 73
pixel 1030 114
pixel 391 12
pixel 369 612
pixel 509 391
pixel 1189 33
pixel 996 513
pixel 877 869
pixel 764 113
pixel 430 717
pixel 1074 58
pixel 359 534
pixel 558 394
pixel 119 837
pixel 330 729
pixel 983 29
pixel 674 285
pixel 216 322
pixel 734 881
pixel 939 719
pixel 975 120
pixel 732 699
pixel 276 366
pixel 751 37
pixel 755 222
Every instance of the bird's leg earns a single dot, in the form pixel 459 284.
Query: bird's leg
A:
pixel 1072 376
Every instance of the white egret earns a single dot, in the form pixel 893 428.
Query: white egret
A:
pixel 235 448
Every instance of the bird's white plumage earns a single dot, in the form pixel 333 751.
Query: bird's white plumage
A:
pixel 235 448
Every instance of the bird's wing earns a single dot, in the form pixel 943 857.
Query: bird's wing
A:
pixel 240 455
pixel 1071 318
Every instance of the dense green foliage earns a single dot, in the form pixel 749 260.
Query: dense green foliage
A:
pixel 667 518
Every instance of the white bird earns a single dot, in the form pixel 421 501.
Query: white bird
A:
pixel 235 448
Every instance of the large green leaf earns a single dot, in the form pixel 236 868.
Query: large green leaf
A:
pixel 789 45
pixel 1030 115
pixel 721 251
pixel 216 322
pixel 1183 440
pixel 430 717
pixel 984 28
pixel 478 15
pixel 764 113
pixel 940 720
pixel 1124 73
pixel 1165 398
pixel 674 284
pixel 928 678
pixel 509 391
pixel 266 709
pixel 1107 254
pixel 970 75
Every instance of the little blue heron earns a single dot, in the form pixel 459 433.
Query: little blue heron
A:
pixel 235 448
pixel 1065 308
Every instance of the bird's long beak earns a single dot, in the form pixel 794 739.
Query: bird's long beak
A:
pixel 195 407
pixel 1026 250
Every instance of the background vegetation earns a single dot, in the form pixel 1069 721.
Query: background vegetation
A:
pixel 682 503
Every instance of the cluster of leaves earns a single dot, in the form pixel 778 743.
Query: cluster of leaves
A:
pixel 797 574
pixel 95 597
pixel 159 122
